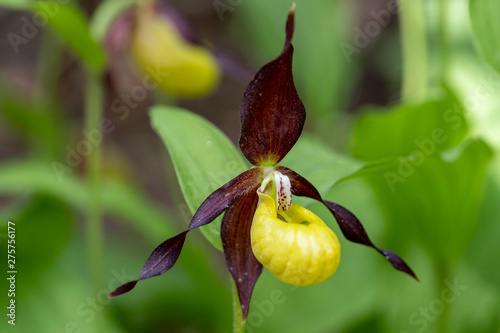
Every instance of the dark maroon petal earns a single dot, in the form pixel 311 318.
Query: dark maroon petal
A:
pixel 353 230
pixel 124 288
pixel 300 186
pixel 349 224
pixel 222 198
pixel 272 114
pixel 165 255
pixel 241 262
pixel 160 261
pixel 397 262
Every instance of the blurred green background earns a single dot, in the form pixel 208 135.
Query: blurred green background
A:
pixel 403 128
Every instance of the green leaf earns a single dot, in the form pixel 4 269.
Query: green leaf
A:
pixel 204 159
pixel 70 24
pixel 433 200
pixel 16 4
pixel 42 230
pixel 104 15
pixel 118 199
pixel 34 122
pixel 485 246
pixel 486 29
pixel 410 129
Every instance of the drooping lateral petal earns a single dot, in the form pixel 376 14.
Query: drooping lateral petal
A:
pixel 300 186
pixel 349 224
pixel 272 114
pixel 222 198
pixel 165 255
pixel 241 262
pixel 354 231
pixel 160 261
pixel 397 262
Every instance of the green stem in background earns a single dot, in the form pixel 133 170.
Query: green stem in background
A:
pixel 442 40
pixel 93 115
pixel 414 50
pixel 442 319
pixel 47 73
pixel 238 325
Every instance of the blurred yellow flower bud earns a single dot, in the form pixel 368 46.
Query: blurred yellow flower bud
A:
pixel 187 70
pixel 296 245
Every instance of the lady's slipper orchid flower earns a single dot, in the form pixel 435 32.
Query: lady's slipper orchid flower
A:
pixel 261 227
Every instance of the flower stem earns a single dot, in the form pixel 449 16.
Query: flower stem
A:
pixel 93 115
pixel 414 50
pixel 238 325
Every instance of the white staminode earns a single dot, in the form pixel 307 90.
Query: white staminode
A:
pixel 283 187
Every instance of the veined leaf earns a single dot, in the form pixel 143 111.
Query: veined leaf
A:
pixel 123 201
pixel 406 130
pixel 204 159
pixel 433 200
pixel 70 24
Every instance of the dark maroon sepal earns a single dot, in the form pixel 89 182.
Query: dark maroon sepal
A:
pixel 165 255
pixel 235 234
pixel 349 224
pixel 272 114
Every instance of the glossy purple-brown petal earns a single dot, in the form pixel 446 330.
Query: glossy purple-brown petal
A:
pixel 353 230
pixel 397 262
pixel 300 186
pixel 272 114
pixel 160 261
pixel 235 234
pixel 165 255
pixel 222 198
pixel 349 224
